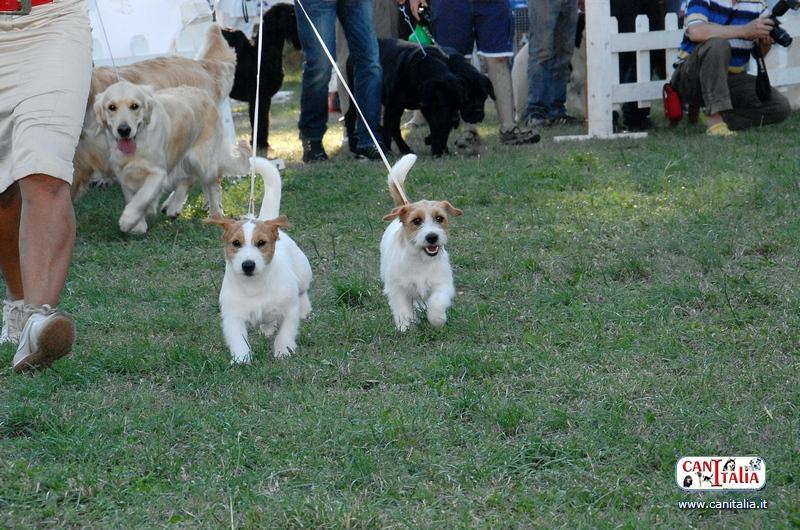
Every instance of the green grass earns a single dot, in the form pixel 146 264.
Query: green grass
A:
pixel 620 304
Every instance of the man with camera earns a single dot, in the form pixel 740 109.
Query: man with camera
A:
pixel 720 36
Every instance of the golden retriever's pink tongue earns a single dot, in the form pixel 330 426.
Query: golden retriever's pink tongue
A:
pixel 127 146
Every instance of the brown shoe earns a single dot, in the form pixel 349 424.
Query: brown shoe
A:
pixel 47 336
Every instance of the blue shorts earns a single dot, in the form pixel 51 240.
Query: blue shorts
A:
pixel 460 24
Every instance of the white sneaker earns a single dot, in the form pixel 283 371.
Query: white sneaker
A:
pixel 48 335
pixel 13 318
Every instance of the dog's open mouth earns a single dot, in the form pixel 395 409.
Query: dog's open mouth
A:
pixel 127 145
pixel 432 250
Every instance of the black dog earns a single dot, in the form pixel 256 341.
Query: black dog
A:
pixel 477 86
pixel 279 25
pixel 414 80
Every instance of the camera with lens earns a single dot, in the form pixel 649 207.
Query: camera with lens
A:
pixel 778 34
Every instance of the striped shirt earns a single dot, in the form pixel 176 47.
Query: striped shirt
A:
pixel 724 13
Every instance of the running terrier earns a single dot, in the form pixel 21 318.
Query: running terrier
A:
pixel 415 268
pixel 267 276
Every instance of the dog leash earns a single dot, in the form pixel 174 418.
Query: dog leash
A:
pixel 413 31
pixel 346 87
pixel 105 36
pixel 251 203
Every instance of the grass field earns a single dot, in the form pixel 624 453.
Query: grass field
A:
pixel 620 304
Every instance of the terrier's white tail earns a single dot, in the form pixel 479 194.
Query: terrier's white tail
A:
pixel 397 178
pixel 271 203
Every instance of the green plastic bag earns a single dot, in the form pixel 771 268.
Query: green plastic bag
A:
pixel 421 36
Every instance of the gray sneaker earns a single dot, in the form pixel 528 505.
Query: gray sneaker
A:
pixel 467 139
pixel 47 336
pixel 13 319
pixel 518 136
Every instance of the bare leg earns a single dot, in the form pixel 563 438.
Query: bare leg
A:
pixel 10 209
pixel 500 76
pixel 46 238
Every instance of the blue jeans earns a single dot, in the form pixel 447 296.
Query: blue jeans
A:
pixel 358 21
pixel 551 43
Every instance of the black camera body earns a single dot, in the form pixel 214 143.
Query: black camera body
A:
pixel 778 34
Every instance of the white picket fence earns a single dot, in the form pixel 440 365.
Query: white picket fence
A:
pixel 604 44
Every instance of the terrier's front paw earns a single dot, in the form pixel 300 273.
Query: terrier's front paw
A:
pixel 403 323
pixel 241 359
pixel 437 319
pixel 285 350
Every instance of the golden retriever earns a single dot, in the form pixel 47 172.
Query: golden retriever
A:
pixel 212 72
pixel 160 141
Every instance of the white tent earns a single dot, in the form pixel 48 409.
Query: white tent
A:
pixel 138 29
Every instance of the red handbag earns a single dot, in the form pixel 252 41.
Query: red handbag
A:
pixel 673 109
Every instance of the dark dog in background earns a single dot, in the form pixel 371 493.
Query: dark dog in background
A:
pixel 414 80
pixel 477 87
pixel 279 26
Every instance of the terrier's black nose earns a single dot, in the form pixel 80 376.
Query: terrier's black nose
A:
pixel 124 130
pixel 432 238
pixel 248 267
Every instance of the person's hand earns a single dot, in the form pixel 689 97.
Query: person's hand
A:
pixel 757 29
pixel 582 5
pixel 414 5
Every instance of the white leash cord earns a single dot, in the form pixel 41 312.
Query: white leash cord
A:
pixel 251 208
pixel 105 36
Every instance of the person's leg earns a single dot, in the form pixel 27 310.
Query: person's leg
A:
pixel 452 25
pixel 494 33
pixel 316 69
pixel 748 110
pixel 47 113
pixel 702 79
pixel 625 12
pixel 46 237
pixel 542 16
pixel 500 75
pixel 358 22
pixel 10 209
pixel 563 47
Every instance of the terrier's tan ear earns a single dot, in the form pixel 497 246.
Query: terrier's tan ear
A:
pixel 396 212
pixel 274 224
pixel 281 221
pixel 450 209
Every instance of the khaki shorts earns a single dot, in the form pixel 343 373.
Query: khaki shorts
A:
pixel 45 71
